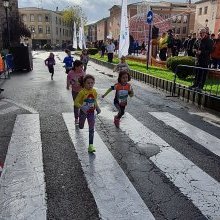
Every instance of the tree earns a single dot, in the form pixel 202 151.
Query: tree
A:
pixel 17 30
pixel 74 14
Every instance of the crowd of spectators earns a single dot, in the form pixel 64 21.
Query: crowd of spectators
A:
pixel 206 44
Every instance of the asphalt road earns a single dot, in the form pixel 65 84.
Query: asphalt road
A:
pixel 68 194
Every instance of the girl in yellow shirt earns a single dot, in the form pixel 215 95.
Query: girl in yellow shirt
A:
pixel 86 100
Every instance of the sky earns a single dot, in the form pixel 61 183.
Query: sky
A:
pixel 93 9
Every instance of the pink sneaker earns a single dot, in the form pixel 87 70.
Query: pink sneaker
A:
pixel 116 121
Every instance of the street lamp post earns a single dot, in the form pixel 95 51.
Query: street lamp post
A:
pixel 33 43
pixel 6 6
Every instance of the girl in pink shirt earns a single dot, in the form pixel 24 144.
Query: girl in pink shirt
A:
pixel 75 80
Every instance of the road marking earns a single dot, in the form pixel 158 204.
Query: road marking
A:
pixel 22 186
pixel 207 140
pixel 210 118
pixel 3 103
pixel 31 110
pixel 193 182
pixel 115 196
pixel 8 110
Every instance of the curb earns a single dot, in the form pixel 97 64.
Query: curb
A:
pixel 198 98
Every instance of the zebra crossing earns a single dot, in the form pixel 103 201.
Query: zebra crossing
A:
pixel 5 109
pixel 115 195
pixel 8 106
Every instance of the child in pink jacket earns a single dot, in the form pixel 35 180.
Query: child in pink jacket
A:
pixel 75 80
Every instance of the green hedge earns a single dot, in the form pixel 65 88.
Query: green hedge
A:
pixel 92 51
pixel 183 72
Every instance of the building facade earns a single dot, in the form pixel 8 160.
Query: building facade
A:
pixel 46 26
pixel 12 13
pixel 178 16
pixel 102 26
pixel 181 16
pixel 91 32
pixel 208 15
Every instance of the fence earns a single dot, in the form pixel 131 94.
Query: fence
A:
pixel 201 80
pixel 199 98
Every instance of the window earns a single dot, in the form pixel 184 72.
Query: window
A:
pixel 200 11
pixel 39 18
pixel 24 17
pixel 184 30
pixel 32 28
pixel 178 30
pixel 174 18
pixel 47 18
pixel 32 18
pixel 185 19
pixel 56 20
pixel 47 29
pixel 179 19
pixel 213 15
pixel 206 10
pixel 40 29
pixel 56 30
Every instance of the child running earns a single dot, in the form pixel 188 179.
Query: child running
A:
pixel 75 80
pixel 50 62
pixel 123 89
pixel 86 100
pixel 68 60
pixel 84 57
pixel 122 65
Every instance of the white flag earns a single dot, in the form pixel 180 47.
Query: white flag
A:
pixel 74 37
pixel 124 31
pixel 80 38
pixel 83 36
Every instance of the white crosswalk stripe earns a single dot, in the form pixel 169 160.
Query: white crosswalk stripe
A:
pixel 22 186
pixel 3 103
pixel 203 190
pixel 115 196
pixel 8 110
pixel 207 140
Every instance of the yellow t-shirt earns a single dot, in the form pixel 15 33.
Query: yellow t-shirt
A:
pixel 88 98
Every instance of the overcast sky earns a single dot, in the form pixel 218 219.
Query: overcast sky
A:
pixel 94 9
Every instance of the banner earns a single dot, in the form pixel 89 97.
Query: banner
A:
pixel 74 37
pixel 80 38
pixel 124 31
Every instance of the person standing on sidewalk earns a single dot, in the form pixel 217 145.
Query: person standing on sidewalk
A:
pixel 110 51
pixel 50 62
pixel 202 49
pixel 190 45
pixel 75 80
pixel 163 47
pixel 215 55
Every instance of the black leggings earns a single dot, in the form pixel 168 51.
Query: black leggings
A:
pixel 121 109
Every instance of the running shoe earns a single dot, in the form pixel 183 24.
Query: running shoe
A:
pixel 91 148
pixel 116 121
